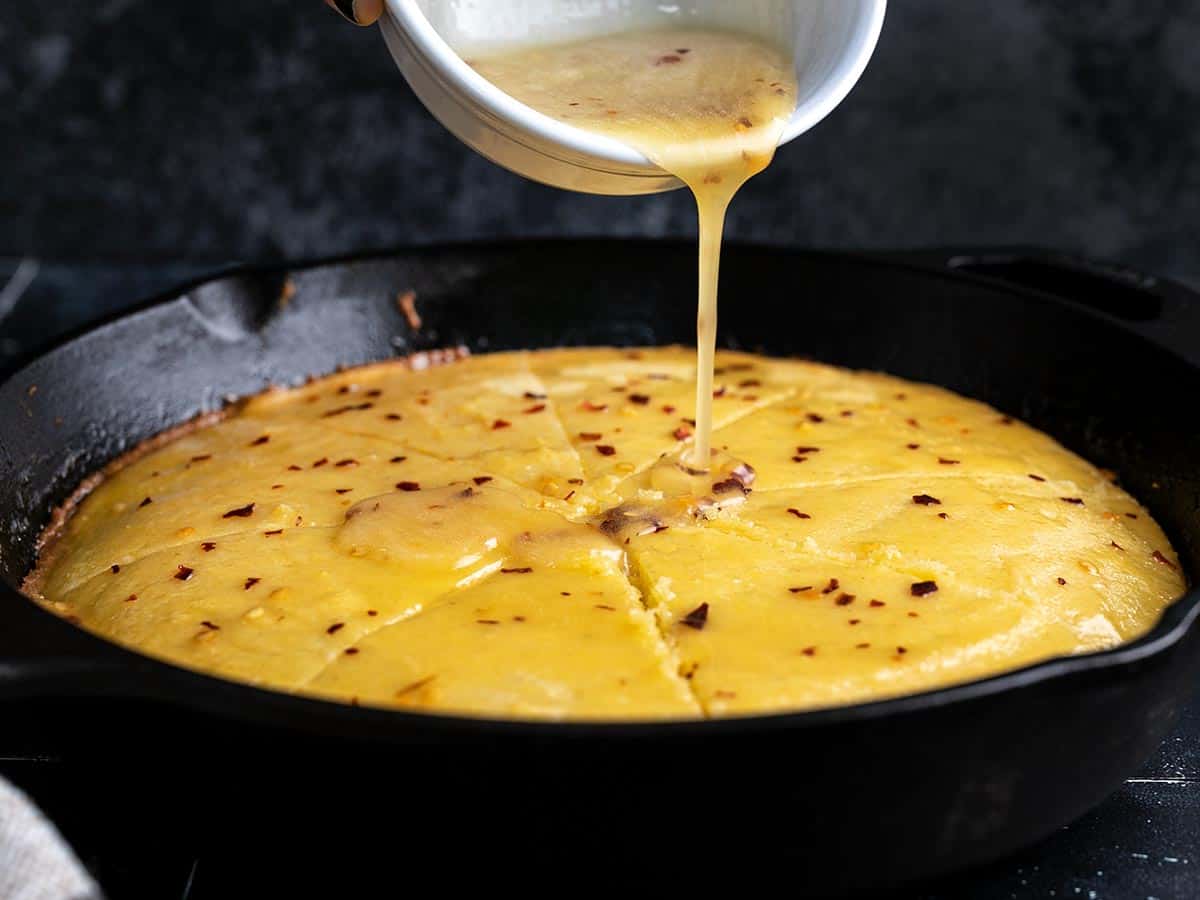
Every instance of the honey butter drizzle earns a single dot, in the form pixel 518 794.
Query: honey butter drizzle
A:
pixel 707 106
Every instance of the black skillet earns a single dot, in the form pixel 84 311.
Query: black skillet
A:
pixel 1104 359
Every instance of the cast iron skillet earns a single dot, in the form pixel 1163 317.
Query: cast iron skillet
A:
pixel 846 799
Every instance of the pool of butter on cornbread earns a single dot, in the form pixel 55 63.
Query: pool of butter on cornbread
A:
pixel 520 535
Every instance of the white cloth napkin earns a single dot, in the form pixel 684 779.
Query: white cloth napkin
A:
pixel 35 861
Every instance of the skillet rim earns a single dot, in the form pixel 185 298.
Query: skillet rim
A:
pixel 1173 627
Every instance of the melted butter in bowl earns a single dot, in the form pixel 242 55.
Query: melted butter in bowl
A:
pixel 521 535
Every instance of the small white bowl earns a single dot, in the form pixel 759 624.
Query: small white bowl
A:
pixel 830 40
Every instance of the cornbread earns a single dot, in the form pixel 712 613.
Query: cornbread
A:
pixel 526 535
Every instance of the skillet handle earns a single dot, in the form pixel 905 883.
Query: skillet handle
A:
pixel 42 655
pixel 1167 312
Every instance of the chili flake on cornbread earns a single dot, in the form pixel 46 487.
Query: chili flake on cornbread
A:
pixel 526 535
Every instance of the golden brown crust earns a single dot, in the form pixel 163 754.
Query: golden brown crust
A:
pixel 61 514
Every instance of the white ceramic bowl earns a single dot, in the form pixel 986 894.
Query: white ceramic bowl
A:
pixel 830 40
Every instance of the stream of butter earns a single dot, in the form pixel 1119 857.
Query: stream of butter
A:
pixel 707 106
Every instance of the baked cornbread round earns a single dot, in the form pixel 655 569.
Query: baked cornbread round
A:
pixel 520 534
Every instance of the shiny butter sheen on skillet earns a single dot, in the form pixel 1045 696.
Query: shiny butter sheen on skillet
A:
pixel 491 536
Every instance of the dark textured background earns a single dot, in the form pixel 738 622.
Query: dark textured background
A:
pixel 246 130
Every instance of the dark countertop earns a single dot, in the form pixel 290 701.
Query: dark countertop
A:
pixel 1143 842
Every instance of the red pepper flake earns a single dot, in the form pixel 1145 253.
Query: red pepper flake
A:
pixel 488 621
pixel 948 462
pixel 202 457
pixel 250 582
pixel 575 481
pixel 814 418
pixel 398 459
pixel 394 417
pixel 114 568
pixel 1036 477
pixel 208 546
pixel 901 650
pixel 605 606
pixel 375 392
pixel 536 408
pixel 639 399
pixel 210 626
pixel 408 486
pixel 183 573
pixel 799 459
pixel 943 515
pixel 800 590
pixel 1115 544
pixel 926 500
pixel 846 413
pixel 259 441
pixel 921 588
pixel 606 449
pixel 668 409
pixel 720 392
pixel 875 604
pixel 668 59
pixel 833 585
pixel 799 515
pixel 862 646
pixel 344 389
pixel 481 479
pixel 844 599
pixel 294 468
pixel 809 651
pixel 697 618
pixel 913 615
pixel 802 451
pixel 372 612
pixel 1061 581
pixel 342 463
pixel 501 423
pixel 1159 558
pixel 590 436
pixel 913 446
pixel 913 422
pixel 1131 515
pixel 749 383
pixel 342 490
pixel 335 627
pixel 570 494
pixel 589 406
pixel 320 462
pixel 240 512
pixel 564 593
pixel 353 407
pixel 351 651
pixel 415 686
pixel 132 598
pixel 1074 501
pixel 145 502
pixel 276 487
pixel 854 621
pixel 682 433
pixel 523 570
pixel 273 533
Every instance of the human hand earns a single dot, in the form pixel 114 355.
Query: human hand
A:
pixel 360 12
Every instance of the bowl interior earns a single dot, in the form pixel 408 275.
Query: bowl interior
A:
pixel 831 42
